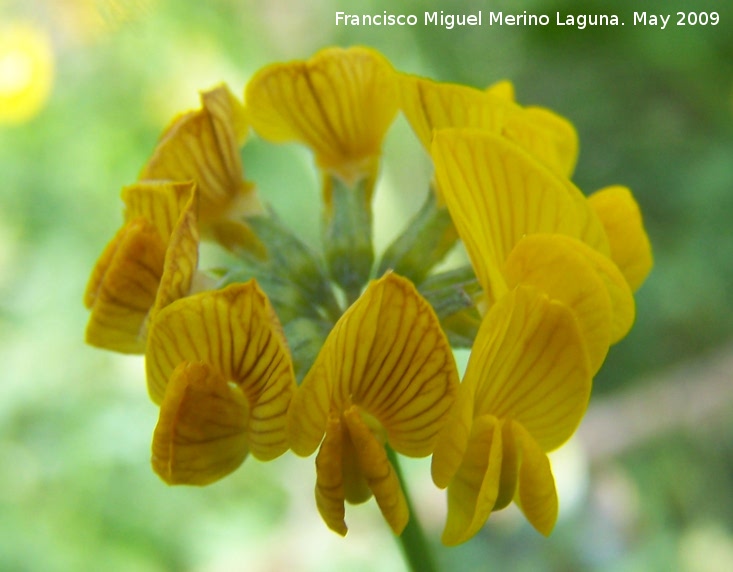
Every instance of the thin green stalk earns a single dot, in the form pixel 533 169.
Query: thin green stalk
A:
pixel 413 542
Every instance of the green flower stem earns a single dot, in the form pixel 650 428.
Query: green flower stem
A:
pixel 347 233
pixel 413 542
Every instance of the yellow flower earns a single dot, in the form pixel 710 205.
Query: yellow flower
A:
pixel 590 284
pixel 497 194
pixel 203 146
pixel 150 262
pixel 385 374
pixel 524 393
pixel 556 301
pixel 218 366
pixel 430 105
pixel 339 103
pixel 26 71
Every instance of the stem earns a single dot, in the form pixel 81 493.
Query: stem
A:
pixel 413 542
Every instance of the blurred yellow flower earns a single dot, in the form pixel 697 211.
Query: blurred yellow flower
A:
pixel 630 246
pixel 385 374
pixel 26 71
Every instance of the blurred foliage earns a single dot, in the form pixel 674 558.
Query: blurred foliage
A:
pixel 654 109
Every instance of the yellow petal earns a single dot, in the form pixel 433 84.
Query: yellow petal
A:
pixel 546 135
pixel 123 286
pixel 621 217
pixel 502 463
pixel 234 332
pixel 203 146
pixel 430 105
pixel 453 438
pixel 497 193
pixel 160 202
pixel 201 434
pixel 181 257
pixel 356 486
pixel 536 495
pixel 623 307
pixel 329 478
pixel 378 471
pixel 309 409
pixel 473 491
pixel 388 355
pixel 340 103
pixel 156 258
pixel 503 89
pixel 554 265
pixel 529 364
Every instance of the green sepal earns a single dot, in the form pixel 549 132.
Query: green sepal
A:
pixel 509 468
pixel 451 291
pixel 292 261
pixel 462 327
pixel 305 339
pixel 286 298
pixel 347 236
pixel 429 236
pixel 453 295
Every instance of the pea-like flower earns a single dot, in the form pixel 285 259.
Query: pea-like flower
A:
pixel 203 146
pixel 218 365
pixel 549 289
pixel 497 193
pixel 339 103
pixel 556 301
pixel 525 390
pixel 385 374
pixel 150 262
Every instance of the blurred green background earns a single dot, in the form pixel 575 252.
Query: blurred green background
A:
pixel 647 484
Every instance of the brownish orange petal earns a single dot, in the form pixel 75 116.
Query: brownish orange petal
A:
pixel 232 331
pixel 330 494
pixel 201 434
pixel 123 286
pixel 203 146
pixel 378 471
pixel 340 103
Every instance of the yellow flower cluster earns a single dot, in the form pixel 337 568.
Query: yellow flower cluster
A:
pixel 338 353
